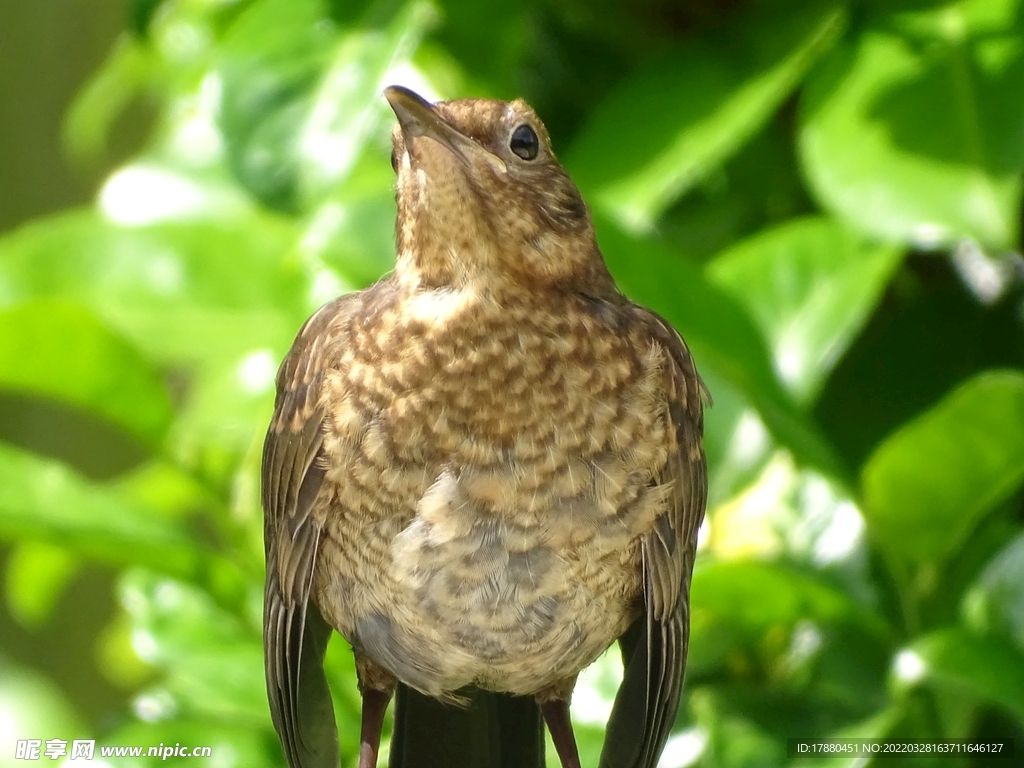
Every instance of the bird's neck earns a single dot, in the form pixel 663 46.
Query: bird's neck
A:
pixel 476 269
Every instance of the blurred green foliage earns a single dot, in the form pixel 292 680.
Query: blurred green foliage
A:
pixel 824 196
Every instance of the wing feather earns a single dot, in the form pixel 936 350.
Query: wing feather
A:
pixel 654 670
pixel 294 635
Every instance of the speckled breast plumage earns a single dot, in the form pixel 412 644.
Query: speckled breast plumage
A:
pixel 487 485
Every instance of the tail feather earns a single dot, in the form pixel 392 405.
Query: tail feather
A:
pixel 492 730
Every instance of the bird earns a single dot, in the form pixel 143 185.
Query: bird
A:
pixel 482 471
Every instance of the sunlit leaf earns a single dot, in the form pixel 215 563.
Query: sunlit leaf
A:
pixel 927 486
pixel 877 726
pixel 790 512
pixel 32 707
pixel 183 292
pixel 151 192
pixel 37 574
pixel 99 104
pixel 995 603
pixel 232 745
pixel 735 602
pixel 44 500
pixel 301 96
pixel 719 333
pixel 810 285
pixel 987 667
pixel 674 119
pixel 759 185
pixel 353 230
pixel 736 441
pixel 220 300
pixel 164 488
pixel 727 737
pixel 340 667
pixel 59 350
pixel 269 63
pixel 347 106
pixel 117 659
pixel 873 149
pixel 213 662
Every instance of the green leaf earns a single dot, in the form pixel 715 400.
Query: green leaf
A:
pixel 60 350
pixel 929 484
pixel 353 231
pixel 232 745
pixel 34 708
pixel 687 110
pixel 45 501
pixel 269 62
pixel 716 329
pixel 347 107
pixel 183 291
pixel 751 597
pixel 758 186
pixel 212 660
pixel 810 285
pixel 727 736
pixel 995 603
pixel 738 605
pixel 37 574
pixel 302 97
pixel 736 442
pixel 878 726
pixel 873 150
pixel 489 41
pixel 988 667
pixel 102 100
pixel 220 300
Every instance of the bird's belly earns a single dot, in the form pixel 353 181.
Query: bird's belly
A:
pixel 512 597
pixel 511 576
pixel 492 609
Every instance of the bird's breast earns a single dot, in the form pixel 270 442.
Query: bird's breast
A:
pixel 490 477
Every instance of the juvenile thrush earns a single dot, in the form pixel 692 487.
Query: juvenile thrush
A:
pixel 482 471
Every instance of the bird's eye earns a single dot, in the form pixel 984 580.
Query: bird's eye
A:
pixel 394 161
pixel 524 142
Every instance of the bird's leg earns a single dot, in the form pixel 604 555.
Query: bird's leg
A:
pixel 376 685
pixel 375 704
pixel 556 715
pixel 554 706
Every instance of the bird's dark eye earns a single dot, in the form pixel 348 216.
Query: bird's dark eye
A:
pixel 394 161
pixel 524 142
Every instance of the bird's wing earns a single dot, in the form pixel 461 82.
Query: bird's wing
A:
pixel 294 634
pixel 653 676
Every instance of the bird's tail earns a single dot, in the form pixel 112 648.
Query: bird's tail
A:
pixel 491 730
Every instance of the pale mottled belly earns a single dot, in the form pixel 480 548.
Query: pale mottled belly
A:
pixel 462 594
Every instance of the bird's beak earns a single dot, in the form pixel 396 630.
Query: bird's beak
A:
pixel 418 117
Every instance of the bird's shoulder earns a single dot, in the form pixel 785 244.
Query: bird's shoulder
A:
pixel 686 388
pixel 328 331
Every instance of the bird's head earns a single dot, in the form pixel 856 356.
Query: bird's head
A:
pixel 481 197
